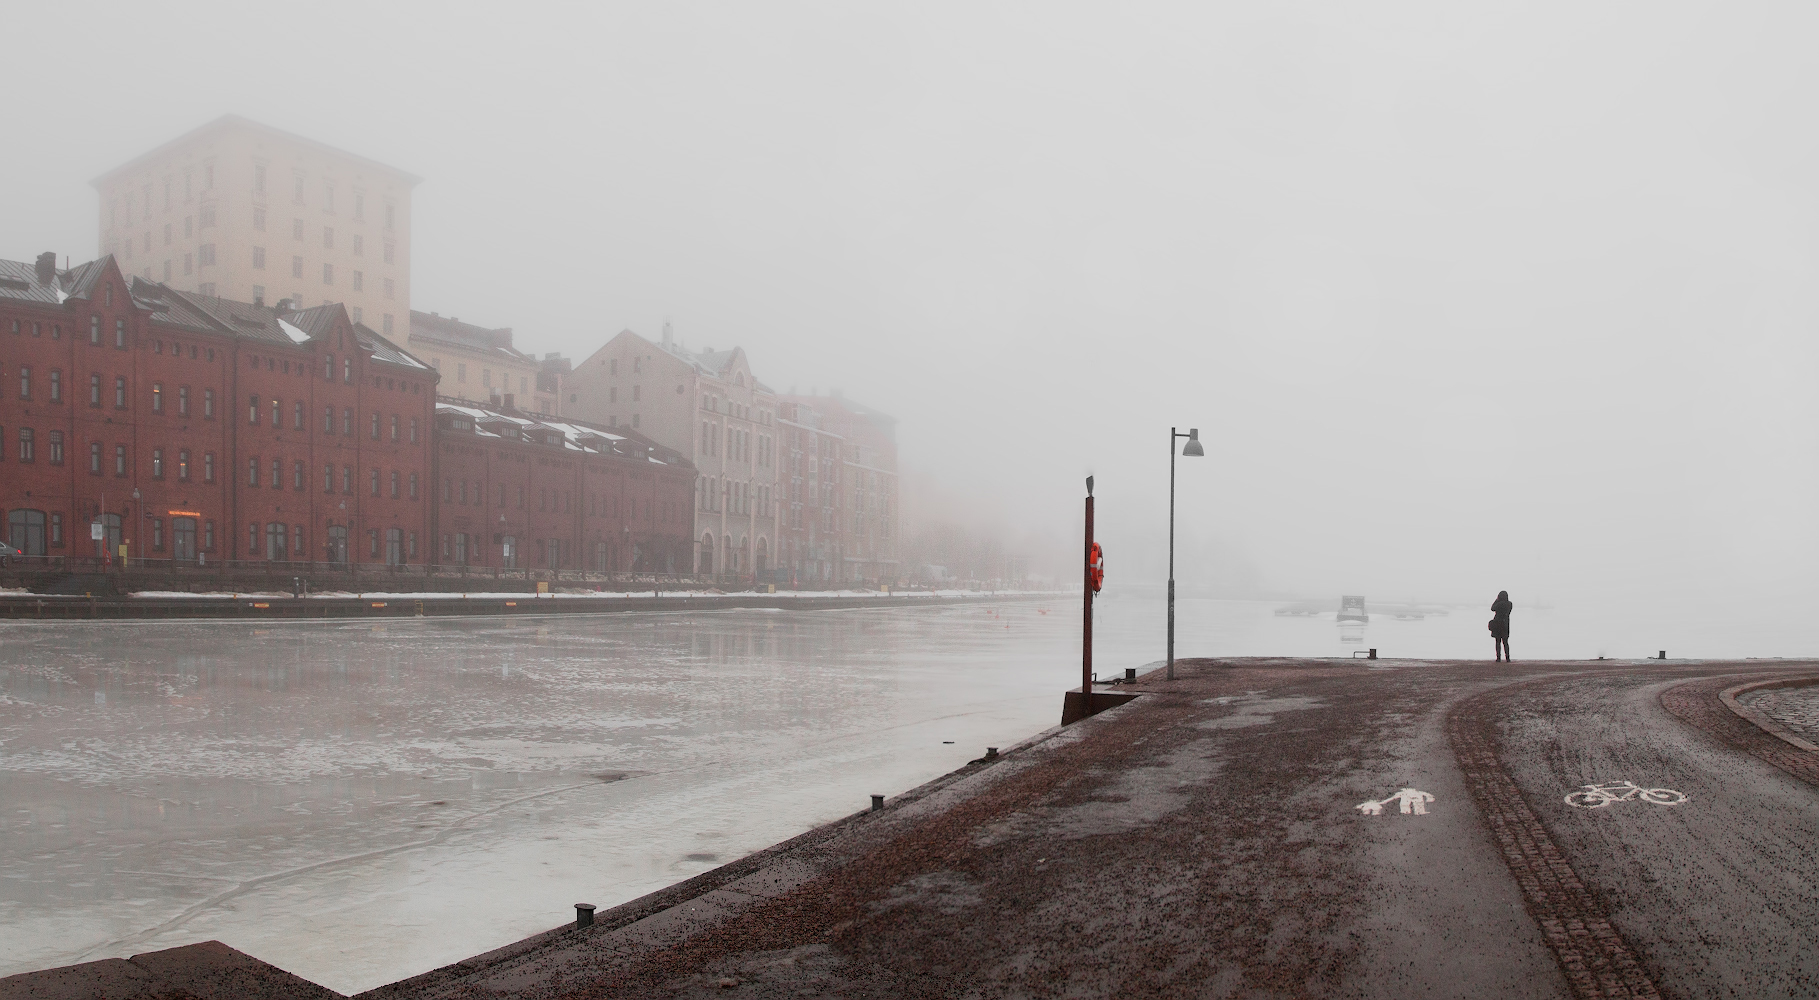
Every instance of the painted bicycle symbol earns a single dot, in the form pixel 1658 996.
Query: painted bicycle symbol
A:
pixel 1599 796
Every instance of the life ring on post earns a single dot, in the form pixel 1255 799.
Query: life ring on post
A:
pixel 1095 568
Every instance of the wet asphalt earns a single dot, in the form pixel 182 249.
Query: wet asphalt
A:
pixel 1206 841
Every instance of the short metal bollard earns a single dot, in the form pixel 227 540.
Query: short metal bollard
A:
pixel 877 802
pixel 584 915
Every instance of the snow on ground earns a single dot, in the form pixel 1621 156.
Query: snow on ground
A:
pixel 592 594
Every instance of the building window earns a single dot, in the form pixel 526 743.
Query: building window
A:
pixel 297 542
pixel 258 261
pixel 277 415
pixel 413 493
pixel 56 385
pixel 328 238
pixel 56 447
pixel 390 249
pixel 183 465
pixel 394 484
pixel 208 402
pixel 389 287
pixel 208 468
pixel 297 417
pixel 94 458
pixel 374 477
pixel 297 270
pixel 277 474
pixel 157 463
pixel 413 424
pixel 276 545
pixel 252 472
pixel 157 397
pixel 374 432
pixel 347 421
pixel 394 428
pixel 297 476
pixel 252 410
pixel 347 479
pixel 27 446
pixel 119 392
pixel 119 460
pixel 347 374
pixel 328 479
pixel 120 334
pixel 208 536
pixel 205 255
pixel 359 281
pixel 372 538
pixel 25 382
pixel 328 274
pixel 359 243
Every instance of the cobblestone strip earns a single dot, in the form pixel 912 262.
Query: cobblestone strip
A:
pixel 1696 704
pixel 1596 960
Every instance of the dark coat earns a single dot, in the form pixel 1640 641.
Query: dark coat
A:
pixel 1500 625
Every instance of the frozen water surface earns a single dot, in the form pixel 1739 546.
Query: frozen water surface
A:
pixel 360 802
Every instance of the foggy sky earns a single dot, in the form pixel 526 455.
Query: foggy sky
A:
pixel 1461 299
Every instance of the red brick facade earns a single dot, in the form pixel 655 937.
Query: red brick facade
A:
pixel 199 430
pixel 202 431
pixel 523 493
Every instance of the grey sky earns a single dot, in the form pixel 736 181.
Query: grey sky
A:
pixel 1462 297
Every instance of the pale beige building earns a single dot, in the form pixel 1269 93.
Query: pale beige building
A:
pixel 253 214
pixel 482 365
pixel 706 405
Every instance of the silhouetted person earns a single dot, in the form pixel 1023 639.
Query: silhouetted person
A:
pixel 1500 625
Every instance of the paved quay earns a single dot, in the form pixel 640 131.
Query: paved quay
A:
pixel 1208 840
pixel 1275 828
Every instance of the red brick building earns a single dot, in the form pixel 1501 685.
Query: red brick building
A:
pixel 518 492
pixel 200 430
pixel 838 522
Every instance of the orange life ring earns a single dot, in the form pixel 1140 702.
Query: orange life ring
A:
pixel 1095 568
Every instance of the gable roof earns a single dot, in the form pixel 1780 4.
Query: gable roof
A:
pixel 19 281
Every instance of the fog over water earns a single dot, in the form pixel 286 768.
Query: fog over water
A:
pixel 1462 298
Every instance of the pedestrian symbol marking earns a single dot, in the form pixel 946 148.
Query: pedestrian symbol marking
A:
pixel 1599 796
pixel 1413 800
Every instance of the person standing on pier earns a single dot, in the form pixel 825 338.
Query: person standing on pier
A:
pixel 1500 625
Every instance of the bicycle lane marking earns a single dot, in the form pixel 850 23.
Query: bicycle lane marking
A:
pixel 1594 957
pixel 1597 796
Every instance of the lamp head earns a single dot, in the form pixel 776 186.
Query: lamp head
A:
pixel 1193 449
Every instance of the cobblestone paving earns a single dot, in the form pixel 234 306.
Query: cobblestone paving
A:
pixel 1795 708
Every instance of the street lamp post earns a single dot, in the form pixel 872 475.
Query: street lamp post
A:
pixel 1192 450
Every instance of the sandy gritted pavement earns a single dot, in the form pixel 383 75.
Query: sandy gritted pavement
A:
pixel 1206 840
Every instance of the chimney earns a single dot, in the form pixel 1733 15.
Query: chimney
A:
pixel 669 336
pixel 259 300
pixel 47 267
pixel 508 402
pixel 284 306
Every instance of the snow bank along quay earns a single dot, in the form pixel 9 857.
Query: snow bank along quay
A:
pixel 272 605
pixel 1256 827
